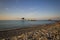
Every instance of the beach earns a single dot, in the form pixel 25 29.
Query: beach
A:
pixel 36 32
pixel 29 19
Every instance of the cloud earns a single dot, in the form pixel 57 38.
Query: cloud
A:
pixel 6 8
pixel 32 8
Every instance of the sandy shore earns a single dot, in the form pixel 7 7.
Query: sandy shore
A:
pixel 37 32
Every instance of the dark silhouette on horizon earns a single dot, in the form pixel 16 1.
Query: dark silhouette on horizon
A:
pixel 23 18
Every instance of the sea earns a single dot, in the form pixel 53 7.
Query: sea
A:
pixel 11 24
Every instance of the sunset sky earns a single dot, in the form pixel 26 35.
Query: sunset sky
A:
pixel 29 9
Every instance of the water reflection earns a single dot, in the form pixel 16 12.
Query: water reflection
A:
pixel 22 22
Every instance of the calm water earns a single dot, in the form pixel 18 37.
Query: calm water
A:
pixel 18 23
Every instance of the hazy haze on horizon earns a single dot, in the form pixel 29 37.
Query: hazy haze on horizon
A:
pixel 30 9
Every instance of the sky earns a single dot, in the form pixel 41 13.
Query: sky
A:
pixel 29 9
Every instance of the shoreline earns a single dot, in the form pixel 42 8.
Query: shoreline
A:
pixel 7 29
pixel 16 32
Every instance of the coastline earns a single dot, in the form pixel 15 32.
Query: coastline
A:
pixel 45 28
